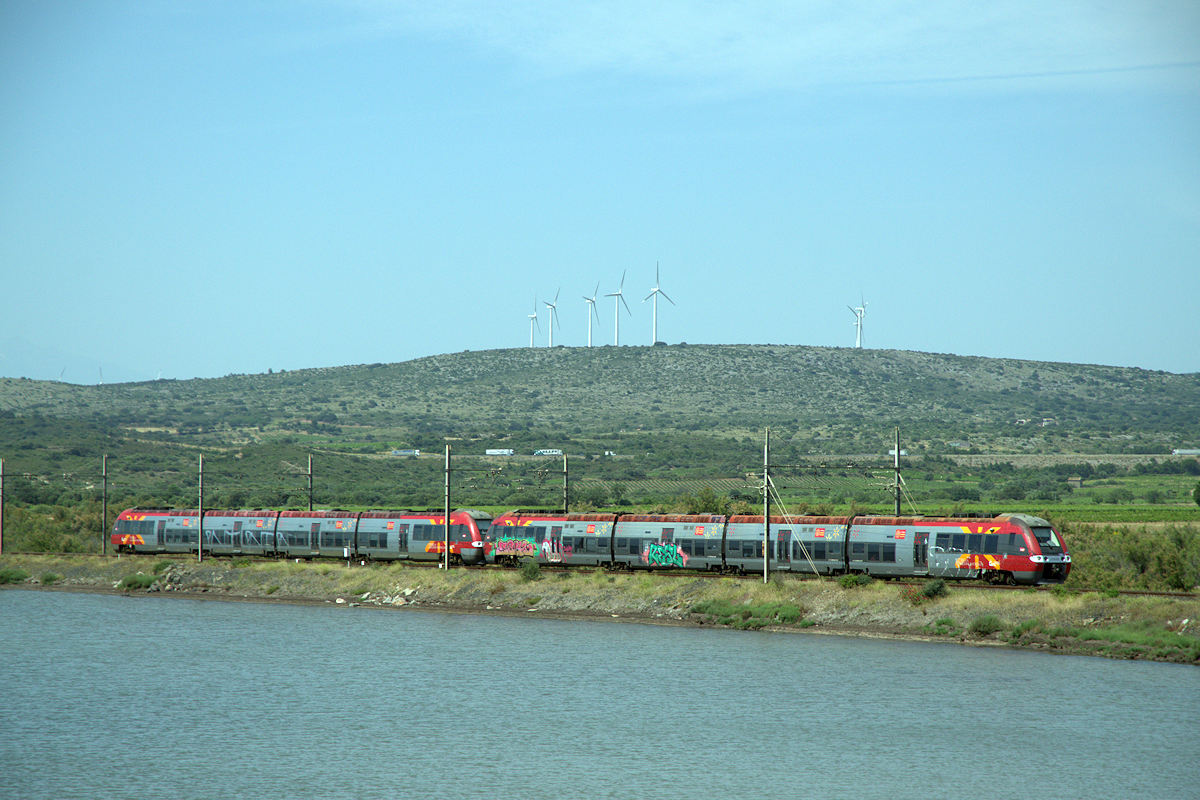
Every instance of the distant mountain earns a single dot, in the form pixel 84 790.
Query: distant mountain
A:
pixel 830 399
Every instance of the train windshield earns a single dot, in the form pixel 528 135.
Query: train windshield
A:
pixel 1047 540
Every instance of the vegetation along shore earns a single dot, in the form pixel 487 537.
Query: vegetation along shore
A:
pixel 1059 620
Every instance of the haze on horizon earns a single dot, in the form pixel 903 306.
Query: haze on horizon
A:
pixel 198 189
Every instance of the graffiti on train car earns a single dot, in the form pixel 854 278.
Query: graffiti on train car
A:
pixel 977 561
pixel 658 554
pixel 515 547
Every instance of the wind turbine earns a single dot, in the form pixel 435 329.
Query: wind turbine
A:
pixel 553 316
pixel 859 313
pixel 591 301
pixel 533 321
pixel 655 292
pixel 620 298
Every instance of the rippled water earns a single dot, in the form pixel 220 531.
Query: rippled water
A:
pixel 109 696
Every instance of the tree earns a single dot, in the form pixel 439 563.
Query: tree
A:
pixel 1196 494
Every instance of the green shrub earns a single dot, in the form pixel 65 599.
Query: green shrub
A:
pixel 162 565
pixel 943 627
pixel 1028 626
pixel 985 625
pixel 13 575
pixel 531 570
pixel 272 589
pixel 136 582
pixel 50 578
pixel 748 617
pixel 853 579
pixel 934 588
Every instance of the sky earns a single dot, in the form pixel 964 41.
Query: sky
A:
pixel 196 189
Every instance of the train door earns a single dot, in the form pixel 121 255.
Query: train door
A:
pixel 921 553
pixel 783 549
pixel 315 536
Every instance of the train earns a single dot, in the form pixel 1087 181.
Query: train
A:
pixel 1004 548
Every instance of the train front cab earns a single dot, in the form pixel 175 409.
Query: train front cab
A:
pixel 1047 559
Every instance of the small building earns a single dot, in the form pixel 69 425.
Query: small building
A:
pixel 1075 482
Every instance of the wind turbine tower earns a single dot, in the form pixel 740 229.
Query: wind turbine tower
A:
pixel 654 293
pixel 533 321
pixel 620 298
pixel 591 301
pixel 553 306
pixel 859 313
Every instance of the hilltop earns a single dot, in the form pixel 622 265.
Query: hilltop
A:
pixel 677 411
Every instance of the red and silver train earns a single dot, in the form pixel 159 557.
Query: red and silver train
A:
pixel 376 535
pixel 1008 548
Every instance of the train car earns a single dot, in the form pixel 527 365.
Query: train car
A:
pixel 814 545
pixel 382 535
pixel 228 533
pixel 571 539
pixel 1009 548
pixel 649 541
pixel 155 530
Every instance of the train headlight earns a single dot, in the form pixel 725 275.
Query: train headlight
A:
pixel 1037 559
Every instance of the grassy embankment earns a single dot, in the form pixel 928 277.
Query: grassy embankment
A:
pixel 1058 620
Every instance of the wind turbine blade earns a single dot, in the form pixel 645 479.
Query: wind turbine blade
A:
pixel 595 290
pixel 626 304
pixel 622 286
pixel 556 294
pixel 853 310
pixel 647 297
pixel 664 294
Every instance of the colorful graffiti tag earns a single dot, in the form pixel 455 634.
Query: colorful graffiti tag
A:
pixel 515 547
pixel 977 561
pixel 657 554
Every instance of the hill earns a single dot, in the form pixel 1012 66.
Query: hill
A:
pixel 681 410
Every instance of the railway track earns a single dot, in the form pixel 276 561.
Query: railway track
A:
pixel 666 573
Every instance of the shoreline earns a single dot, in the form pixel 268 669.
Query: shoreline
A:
pixel 1059 622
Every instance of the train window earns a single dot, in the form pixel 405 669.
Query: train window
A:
pixel 942 543
pixel 635 546
pixel 889 552
pixel 621 543
pixel 1047 539
pixel 958 543
pixel 975 543
pixel 668 534
pixel 686 546
pixel 858 551
pixel 602 542
pixel 873 552
pixel 991 543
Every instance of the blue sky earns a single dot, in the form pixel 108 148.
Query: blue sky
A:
pixel 197 189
